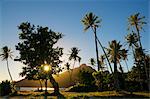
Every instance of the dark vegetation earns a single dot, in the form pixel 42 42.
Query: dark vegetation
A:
pixel 5 88
pixel 37 51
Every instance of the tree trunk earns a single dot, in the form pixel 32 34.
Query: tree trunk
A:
pixel 126 65
pixel 40 84
pixel 9 71
pixel 138 34
pixel 45 86
pixel 55 85
pixel 121 69
pixel 104 53
pixel 96 49
pixel 72 71
pixel 116 82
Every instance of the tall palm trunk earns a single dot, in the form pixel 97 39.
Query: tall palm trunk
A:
pixel 126 65
pixel 96 49
pixel 138 67
pixel 55 85
pixel 138 35
pixel 72 71
pixel 104 52
pixel 9 70
pixel 121 69
pixel 134 53
pixel 116 82
pixel 136 26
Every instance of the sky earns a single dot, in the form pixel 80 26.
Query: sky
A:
pixel 65 16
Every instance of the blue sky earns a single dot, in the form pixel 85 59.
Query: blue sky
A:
pixel 65 16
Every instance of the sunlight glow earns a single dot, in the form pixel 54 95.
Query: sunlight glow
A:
pixel 46 67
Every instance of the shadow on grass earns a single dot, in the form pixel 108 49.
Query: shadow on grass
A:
pixel 59 95
pixel 121 94
pixel 128 96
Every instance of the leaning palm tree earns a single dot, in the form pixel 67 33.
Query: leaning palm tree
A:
pixel 6 54
pixel 91 21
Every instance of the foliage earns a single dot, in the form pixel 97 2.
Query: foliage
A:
pixel 7 53
pixel 92 61
pixel 82 88
pixel 136 21
pixel 85 77
pixel 115 51
pixel 5 88
pixel 103 80
pixel 74 55
pixel 36 48
pixel 91 21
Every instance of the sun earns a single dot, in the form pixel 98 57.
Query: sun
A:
pixel 46 68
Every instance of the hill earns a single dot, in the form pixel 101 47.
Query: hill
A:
pixel 63 78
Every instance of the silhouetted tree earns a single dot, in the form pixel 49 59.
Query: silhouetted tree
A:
pixel 37 46
pixel 136 23
pixel 6 53
pixel 74 56
pixel 92 62
pixel 115 53
pixel 91 21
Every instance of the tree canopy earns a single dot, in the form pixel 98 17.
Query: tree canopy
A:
pixel 36 46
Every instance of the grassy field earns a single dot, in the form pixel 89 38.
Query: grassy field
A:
pixel 76 95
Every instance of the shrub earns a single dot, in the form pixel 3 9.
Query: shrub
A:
pixel 5 88
pixel 82 88
pixel 103 80
pixel 85 77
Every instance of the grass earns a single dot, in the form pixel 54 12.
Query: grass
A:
pixel 77 95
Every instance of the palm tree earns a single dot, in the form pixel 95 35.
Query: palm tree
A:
pixel 92 62
pixel 124 57
pixel 6 54
pixel 101 62
pixel 137 22
pixel 115 53
pixel 67 66
pixel 138 53
pixel 132 40
pixel 91 21
pixel 74 55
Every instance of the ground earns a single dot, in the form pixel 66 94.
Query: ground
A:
pixel 82 95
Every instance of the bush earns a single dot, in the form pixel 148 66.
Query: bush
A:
pixel 5 88
pixel 82 88
pixel 85 77
pixel 103 80
pixel 136 86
